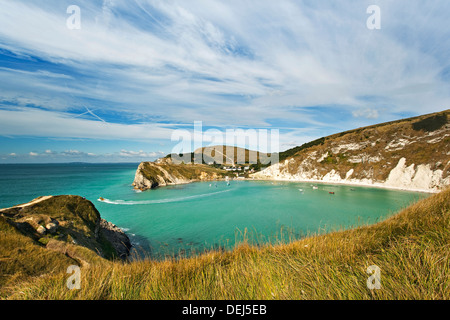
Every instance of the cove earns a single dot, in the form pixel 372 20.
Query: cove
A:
pixel 188 219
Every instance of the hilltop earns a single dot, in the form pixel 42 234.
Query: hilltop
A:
pixel 221 155
pixel 228 155
pixel 412 154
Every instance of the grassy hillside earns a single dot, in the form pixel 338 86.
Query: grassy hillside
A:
pixel 415 126
pixel 150 175
pixel 223 155
pixel 371 153
pixel 412 249
pixel 78 239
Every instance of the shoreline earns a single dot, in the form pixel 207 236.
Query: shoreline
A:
pixel 349 183
pixel 345 183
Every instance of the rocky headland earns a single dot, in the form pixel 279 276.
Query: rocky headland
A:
pixel 65 224
pixel 164 172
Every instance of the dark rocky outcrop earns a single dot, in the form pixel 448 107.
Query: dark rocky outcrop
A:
pixel 59 222
pixel 118 239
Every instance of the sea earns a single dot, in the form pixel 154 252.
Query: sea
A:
pixel 185 220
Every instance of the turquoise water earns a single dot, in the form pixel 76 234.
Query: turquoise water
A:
pixel 191 218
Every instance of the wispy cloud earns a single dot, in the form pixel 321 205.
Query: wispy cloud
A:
pixel 137 66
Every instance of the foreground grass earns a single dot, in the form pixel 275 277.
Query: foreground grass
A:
pixel 411 249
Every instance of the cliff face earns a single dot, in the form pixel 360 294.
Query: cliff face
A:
pixel 411 154
pixel 68 225
pixel 150 175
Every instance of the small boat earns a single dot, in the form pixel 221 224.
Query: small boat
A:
pixel 331 192
pixel 101 199
pixel 315 187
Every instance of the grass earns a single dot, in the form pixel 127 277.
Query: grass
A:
pixel 183 171
pixel 25 254
pixel 412 250
pixel 380 157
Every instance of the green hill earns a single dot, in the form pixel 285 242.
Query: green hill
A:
pixel 51 233
pixel 409 154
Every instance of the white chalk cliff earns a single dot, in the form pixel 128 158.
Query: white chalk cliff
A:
pixel 410 154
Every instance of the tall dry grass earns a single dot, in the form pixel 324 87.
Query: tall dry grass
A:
pixel 411 249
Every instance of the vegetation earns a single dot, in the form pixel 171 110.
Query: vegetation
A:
pixel 412 250
pixel 218 156
pixel 372 152
pixel 291 152
pixel 24 252
pixel 182 171
pixel 417 150
pixel 431 123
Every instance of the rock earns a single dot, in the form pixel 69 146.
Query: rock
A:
pixel 394 155
pixel 74 219
pixel 118 239
pixel 52 227
pixel 41 230
pixel 150 175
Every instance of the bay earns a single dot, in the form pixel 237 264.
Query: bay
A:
pixel 187 219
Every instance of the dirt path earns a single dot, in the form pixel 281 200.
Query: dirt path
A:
pixel 29 203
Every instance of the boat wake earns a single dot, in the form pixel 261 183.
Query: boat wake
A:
pixel 144 202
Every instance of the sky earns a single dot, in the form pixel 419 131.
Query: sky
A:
pixel 117 86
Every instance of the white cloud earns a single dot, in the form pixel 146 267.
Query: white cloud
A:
pixel 72 153
pixel 125 153
pixel 225 63
pixel 34 122
pixel 78 155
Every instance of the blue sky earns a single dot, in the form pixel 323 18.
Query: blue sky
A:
pixel 116 89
